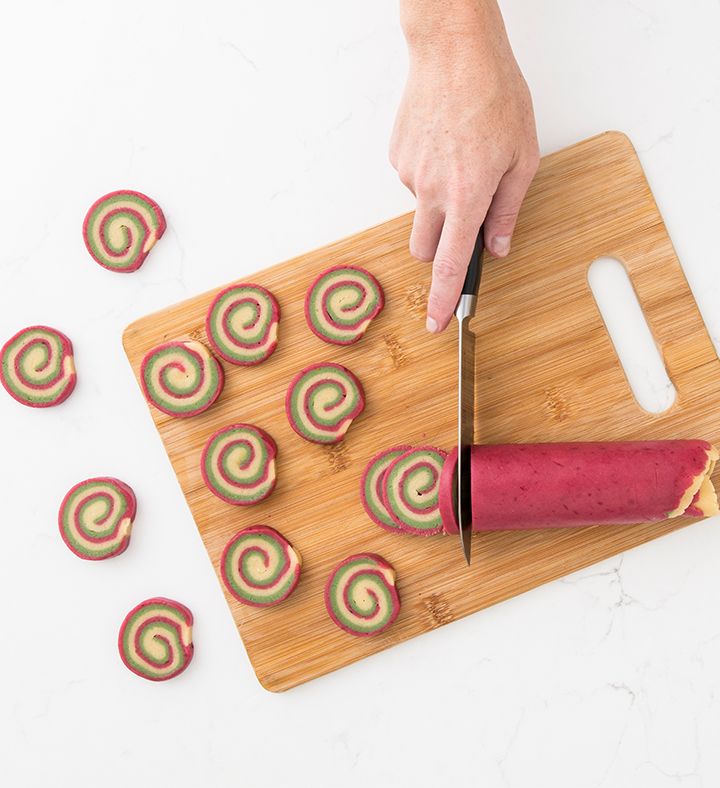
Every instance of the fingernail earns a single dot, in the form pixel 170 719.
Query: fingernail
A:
pixel 431 325
pixel 501 244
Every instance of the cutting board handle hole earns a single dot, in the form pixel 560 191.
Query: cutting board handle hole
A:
pixel 631 335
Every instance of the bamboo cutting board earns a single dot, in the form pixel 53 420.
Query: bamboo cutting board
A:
pixel 547 371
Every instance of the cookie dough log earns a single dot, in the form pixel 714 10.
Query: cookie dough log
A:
pixel 322 401
pixel 360 595
pixel 372 485
pixel 342 302
pixel 242 324
pixel 260 567
pixel 181 378
pixel 38 368
pixel 121 228
pixel 96 517
pixel 238 464
pixel 411 491
pixel 570 485
pixel 155 639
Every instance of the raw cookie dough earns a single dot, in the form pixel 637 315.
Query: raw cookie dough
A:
pixel 371 487
pixel 360 595
pixel 181 378
pixel 155 639
pixel 260 567
pixel 242 324
pixel 121 228
pixel 411 490
pixel 322 402
pixel 238 464
pixel 570 485
pixel 342 302
pixel 96 517
pixel 38 368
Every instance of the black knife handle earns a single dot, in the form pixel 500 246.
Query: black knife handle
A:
pixel 474 271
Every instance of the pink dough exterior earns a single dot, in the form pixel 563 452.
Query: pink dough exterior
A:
pixel 394 528
pixel 571 485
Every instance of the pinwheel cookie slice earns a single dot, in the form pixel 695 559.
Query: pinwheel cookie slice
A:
pixel 121 228
pixel 260 567
pixel 242 324
pixel 342 302
pixel 411 490
pixel 238 464
pixel 372 485
pixel 38 368
pixel 360 595
pixel 96 517
pixel 322 402
pixel 181 378
pixel 155 639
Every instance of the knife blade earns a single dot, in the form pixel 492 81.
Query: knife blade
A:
pixel 466 395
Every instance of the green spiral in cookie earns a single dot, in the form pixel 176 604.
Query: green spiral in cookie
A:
pixel 238 464
pixel 155 639
pixel 260 567
pixel 121 228
pixel 242 324
pixel 181 378
pixel 360 595
pixel 342 302
pixel 38 368
pixel 412 490
pixel 96 517
pixel 322 402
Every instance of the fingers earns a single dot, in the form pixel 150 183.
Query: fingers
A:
pixel 451 261
pixel 427 226
pixel 505 206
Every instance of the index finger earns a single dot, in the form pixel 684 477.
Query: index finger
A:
pixel 457 241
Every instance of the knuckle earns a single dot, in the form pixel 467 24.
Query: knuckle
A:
pixel 530 163
pixel 406 176
pixel 448 269
pixel 505 218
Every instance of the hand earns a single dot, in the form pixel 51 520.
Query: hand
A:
pixel 464 140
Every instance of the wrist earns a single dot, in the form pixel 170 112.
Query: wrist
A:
pixel 433 27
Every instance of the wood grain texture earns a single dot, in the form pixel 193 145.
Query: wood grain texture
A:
pixel 547 371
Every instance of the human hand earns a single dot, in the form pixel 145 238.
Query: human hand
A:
pixel 464 140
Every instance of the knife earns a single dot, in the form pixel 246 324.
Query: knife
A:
pixel 466 394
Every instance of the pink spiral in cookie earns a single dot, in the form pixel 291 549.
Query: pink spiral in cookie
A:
pixel 342 302
pixel 412 490
pixel 242 324
pixel 181 378
pixel 155 639
pixel 38 368
pixel 322 402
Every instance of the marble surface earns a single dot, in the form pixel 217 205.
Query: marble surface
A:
pixel 261 128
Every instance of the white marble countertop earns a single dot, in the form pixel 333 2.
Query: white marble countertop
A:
pixel 261 129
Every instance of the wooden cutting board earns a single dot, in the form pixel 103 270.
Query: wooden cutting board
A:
pixel 547 371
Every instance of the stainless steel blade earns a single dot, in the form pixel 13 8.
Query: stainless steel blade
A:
pixel 466 419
